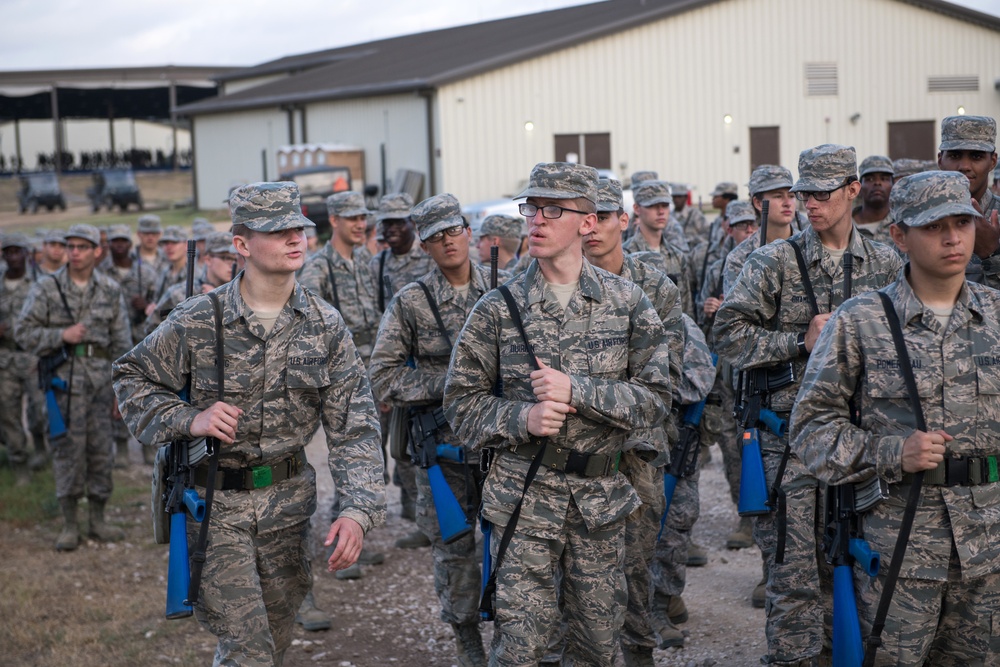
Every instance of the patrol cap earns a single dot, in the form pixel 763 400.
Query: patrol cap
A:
pixel 346 204
pixel 436 214
pixel 229 193
pixel 150 223
pixel 609 196
pixel 740 211
pixel 640 176
pixel 504 226
pixel 725 188
pixel 119 232
pixel 394 206
pixel 562 180
pixel 268 207
pixel 15 240
pixel 648 193
pixel 825 168
pixel 85 232
pixel 219 243
pixel 968 133
pixel 769 177
pixel 201 228
pixel 173 234
pixel 906 167
pixel 922 198
pixel 679 189
pixel 876 164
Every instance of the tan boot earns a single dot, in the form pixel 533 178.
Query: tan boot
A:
pixel 669 635
pixel 310 618
pixel 352 572
pixel 676 610
pixel 697 555
pixel 414 540
pixel 759 596
pixel 639 656
pixel 742 537
pixel 99 530
pixel 469 645
pixel 69 537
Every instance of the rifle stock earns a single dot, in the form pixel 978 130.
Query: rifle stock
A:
pixel 452 522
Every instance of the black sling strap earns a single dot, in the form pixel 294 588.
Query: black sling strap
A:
pixel 381 280
pixel 435 312
pixel 198 557
pixel 72 357
pixel 804 272
pixel 489 590
pixel 333 283
pixel 874 640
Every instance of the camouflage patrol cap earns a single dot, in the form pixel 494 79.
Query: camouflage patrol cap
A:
pixel 268 207
pixel 640 176
pixel 648 193
pixel 55 236
pixel 562 180
pixel 725 188
pixel 968 133
pixel 15 240
pixel 825 168
pixel 436 214
pixel 609 196
pixel 150 223
pixel 219 243
pixel 394 206
pixel 201 228
pixel 906 167
pixel 740 211
pixel 769 177
pixel 679 189
pixel 347 204
pixel 922 198
pixel 85 232
pixel 876 164
pixel 173 234
pixel 504 226
pixel 119 232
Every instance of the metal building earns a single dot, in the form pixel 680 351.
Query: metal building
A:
pixel 698 90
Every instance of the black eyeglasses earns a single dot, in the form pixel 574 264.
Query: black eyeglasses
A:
pixel 550 212
pixel 820 196
pixel 451 231
pixel 70 247
pixel 743 225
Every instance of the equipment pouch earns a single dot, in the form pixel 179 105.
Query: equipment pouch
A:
pixel 399 433
pixel 158 501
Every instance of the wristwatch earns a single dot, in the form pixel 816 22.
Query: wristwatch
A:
pixel 801 342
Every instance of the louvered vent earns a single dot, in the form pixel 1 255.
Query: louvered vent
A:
pixel 821 79
pixel 952 84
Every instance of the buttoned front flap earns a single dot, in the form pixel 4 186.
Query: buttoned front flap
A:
pixel 988 373
pixel 307 372
pixel 607 345
pixel 884 377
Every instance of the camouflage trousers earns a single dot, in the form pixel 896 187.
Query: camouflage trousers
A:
pixel 800 589
pixel 641 529
pixel 669 567
pixel 940 623
pixel 15 381
pixel 457 565
pixel 255 579
pixel 719 427
pixel 584 570
pixel 83 459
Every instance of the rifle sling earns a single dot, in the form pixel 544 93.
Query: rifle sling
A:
pixel 198 556
pixel 435 312
pixel 489 590
pixel 333 281
pixel 874 640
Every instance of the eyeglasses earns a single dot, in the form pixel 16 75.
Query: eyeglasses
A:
pixel 743 225
pixel 70 247
pixel 457 230
pixel 550 212
pixel 224 258
pixel 820 196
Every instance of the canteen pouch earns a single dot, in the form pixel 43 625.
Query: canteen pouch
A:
pixel 399 434
pixel 158 501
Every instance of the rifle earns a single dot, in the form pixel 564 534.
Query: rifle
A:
pixel 486 457
pixel 451 517
pixel 49 382
pixel 755 499
pixel 845 546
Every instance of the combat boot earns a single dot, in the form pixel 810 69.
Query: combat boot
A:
pixel 638 656
pixel 759 596
pixel 99 530
pixel 352 572
pixel 676 610
pixel 310 618
pixel 469 644
pixel 370 557
pixel 697 555
pixel 668 635
pixel 742 537
pixel 69 537
pixel 414 540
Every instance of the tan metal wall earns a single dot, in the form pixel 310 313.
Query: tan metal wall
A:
pixel 662 91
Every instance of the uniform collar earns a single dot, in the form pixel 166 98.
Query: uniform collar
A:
pixel 909 306
pixel 534 282
pixel 234 307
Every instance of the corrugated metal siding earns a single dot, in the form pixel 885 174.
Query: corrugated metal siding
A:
pixel 228 151
pixel 398 121
pixel 662 91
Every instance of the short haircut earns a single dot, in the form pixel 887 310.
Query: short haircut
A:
pixel 239 229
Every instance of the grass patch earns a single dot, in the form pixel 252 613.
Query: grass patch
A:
pixel 25 506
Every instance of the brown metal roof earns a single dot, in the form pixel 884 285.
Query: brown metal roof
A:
pixel 430 59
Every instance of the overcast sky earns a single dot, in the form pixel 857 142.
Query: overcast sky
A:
pixel 65 34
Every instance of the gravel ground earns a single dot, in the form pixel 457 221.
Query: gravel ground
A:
pixel 391 615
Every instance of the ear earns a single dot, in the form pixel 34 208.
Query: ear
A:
pixel 623 221
pixel 898 237
pixel 588 224
pixel 853 190
pixel 240 244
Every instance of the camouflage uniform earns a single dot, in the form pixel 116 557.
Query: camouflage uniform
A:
pixel 17 366
pixel 878 230
pixel 947 592
pixel 760 325
pixel 304 372
pixel 691 219
pixel 168 277
pixel 82 461
pixel 150 223
pixel 409 330
pixel 139 279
